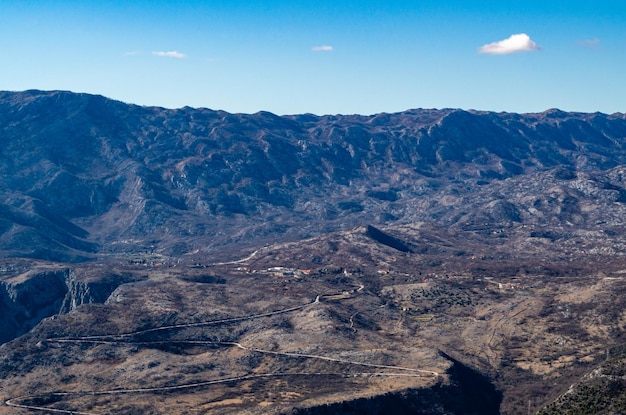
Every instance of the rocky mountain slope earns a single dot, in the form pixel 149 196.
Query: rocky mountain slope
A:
pixel 196 261
pixel 599 392
pixel 371 317
pixel 82 174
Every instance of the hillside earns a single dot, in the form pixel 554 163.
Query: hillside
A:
pixel 195 261
pixel 83 175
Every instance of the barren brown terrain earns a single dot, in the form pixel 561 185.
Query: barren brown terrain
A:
pixel 331 319
pixel 193 261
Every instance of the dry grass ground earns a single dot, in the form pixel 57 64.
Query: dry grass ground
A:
pixel 170 342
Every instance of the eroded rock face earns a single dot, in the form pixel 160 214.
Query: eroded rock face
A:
pixel 28 298
pixel 89 292
pixel 27 302
pixel 467 392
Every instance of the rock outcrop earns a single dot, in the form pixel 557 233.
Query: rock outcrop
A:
pixel 26 302
pixel 28 298
pixel 468 392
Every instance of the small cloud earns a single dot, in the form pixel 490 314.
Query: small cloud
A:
pixel 515 43
pixel 322 48
pixel 170 54
pixel 590 43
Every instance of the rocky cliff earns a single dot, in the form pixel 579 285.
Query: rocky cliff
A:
pixel 467 392
pixel 28 297
pixel 26 302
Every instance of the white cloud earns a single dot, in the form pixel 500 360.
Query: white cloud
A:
pixel 591 43
pixel 322 48
pixel 170 54
pixel 515 43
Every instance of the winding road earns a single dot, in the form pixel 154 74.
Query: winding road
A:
pixel 124 338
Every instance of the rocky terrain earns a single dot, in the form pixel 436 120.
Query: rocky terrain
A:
pixel 598 392
pixel 196 261
pixel 83 175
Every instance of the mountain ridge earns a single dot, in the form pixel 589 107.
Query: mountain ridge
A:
pixel 114 169
pixel 334 258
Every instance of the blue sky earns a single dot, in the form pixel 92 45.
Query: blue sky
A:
pixel 323 57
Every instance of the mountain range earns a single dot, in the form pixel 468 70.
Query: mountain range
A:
pixel 427 261
pixel 82 175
